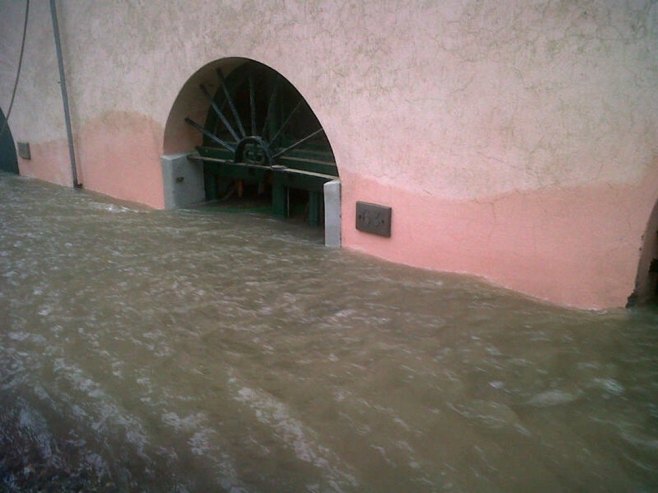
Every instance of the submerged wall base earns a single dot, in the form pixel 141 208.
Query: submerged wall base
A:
pixel 576 247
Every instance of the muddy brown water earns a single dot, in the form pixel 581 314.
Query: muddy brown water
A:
pixel 201 350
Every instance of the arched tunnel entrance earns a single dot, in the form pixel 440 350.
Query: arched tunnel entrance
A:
pixel 259 144
pixel 8 158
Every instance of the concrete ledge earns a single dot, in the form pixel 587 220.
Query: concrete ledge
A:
pixel 332 236
pixel 183 181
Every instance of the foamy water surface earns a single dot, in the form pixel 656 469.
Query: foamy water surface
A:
pixel 206 351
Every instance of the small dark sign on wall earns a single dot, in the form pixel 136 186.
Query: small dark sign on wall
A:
pixel 373 218
pixel 24 150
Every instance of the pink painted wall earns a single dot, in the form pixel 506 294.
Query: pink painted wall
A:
pixel 49 161
pixel 575 247
pixel 119 155
pixel 514 141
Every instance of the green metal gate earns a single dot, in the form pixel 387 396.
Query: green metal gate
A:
pixel 8 159
pixel 260 132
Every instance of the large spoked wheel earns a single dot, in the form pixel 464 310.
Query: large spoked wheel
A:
pixel 260 133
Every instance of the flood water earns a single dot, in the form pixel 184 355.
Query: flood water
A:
pixel 202 350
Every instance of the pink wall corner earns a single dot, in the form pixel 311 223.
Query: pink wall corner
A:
pixel 49 162
pixel 119 155
pixel 577 247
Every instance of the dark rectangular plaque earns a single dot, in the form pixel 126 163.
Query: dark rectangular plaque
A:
pixel 373 218
pixel 24 150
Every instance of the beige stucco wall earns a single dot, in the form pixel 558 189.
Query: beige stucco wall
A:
pixel 37 115
pixel 515 140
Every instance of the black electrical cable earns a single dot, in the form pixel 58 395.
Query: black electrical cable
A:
pixel 18 70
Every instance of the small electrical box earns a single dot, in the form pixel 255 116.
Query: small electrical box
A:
pixel 374 219
pixel 24 150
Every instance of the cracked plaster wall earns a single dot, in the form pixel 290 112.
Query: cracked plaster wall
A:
pixel 460 107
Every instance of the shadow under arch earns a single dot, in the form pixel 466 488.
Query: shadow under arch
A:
pixel 8 157
pixel 252 134
pixel 646 280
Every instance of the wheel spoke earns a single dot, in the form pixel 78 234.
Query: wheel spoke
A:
pixel 230 103
pixel 270 105
pixel 298 143
pixel 219 113
pixel 210 135
pixel 252 104
pixel 283 125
